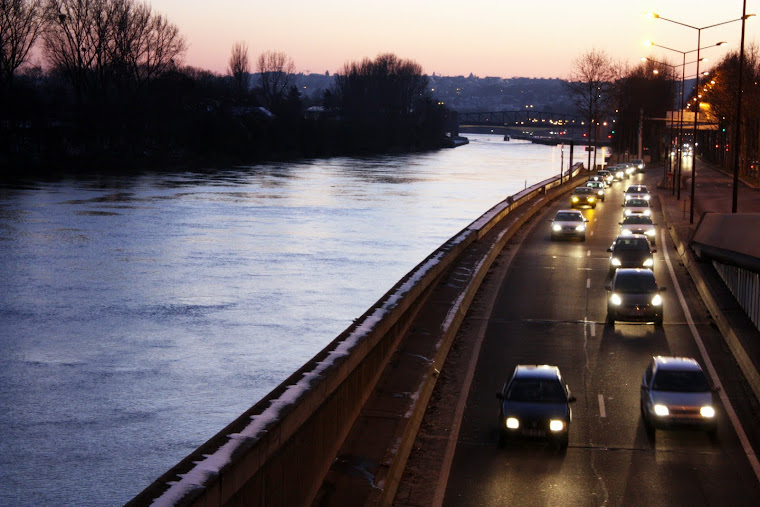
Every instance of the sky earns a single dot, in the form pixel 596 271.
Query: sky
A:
pixel 504 38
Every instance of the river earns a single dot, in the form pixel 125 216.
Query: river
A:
pixel 140 315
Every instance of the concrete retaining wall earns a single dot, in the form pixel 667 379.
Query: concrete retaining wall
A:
pixel 278 452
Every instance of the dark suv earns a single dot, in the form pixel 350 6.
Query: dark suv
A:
pixel 634 296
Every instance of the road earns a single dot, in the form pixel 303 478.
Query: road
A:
pixel 550 308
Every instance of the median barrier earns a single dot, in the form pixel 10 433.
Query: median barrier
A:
pixel 278 451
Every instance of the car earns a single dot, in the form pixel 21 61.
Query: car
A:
pixel 634 296
pixel 640 165
pixel 606 175
pixel 618 172
pixel 637 207
pixel 535 404
pixel 630 169
pixel 637 192
pixel 632 251
pixel 599 187
pixel 639 224
pixel 675 393
pixel 569 223
pixel 583 196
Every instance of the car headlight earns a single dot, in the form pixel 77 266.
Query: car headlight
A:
pixel 648 263
pixel 626 232
pixel 556 425
pixel 513 423
pixel 641 166
pixel 649 232
pixel 574 199
pixel 661 410
pixel 556 227
pixel 707 412
pixel 591 199
pixel 647 212
pixel 580 228
pixel 647 197
pixel 657 300
pixel 600 192
pixel 615 261
pixel 615 299
pixel 628 212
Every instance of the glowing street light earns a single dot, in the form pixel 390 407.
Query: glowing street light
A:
pixel 696 112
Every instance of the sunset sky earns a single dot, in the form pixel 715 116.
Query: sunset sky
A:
pixel 505 38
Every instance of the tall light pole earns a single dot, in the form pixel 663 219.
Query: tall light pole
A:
pixel 677 176
pixel 696 109
pixel 737 129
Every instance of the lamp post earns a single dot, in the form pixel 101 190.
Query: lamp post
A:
pixel 677 177
pixel 737 129
pixel 696 109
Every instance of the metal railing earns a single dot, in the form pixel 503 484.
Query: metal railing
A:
pixel 745 286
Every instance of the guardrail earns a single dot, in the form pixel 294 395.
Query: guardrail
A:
pixel 278 451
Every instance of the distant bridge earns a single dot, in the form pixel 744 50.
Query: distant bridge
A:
pixel 523 117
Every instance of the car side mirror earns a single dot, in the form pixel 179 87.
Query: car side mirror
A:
pixel 500 395
pixel 608 286
pixel 654 250
pixel 715 389
pixel 662 289
pixel 620 223
pixel 571 399
pixel 609 249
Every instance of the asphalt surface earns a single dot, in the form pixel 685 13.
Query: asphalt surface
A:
pixel 545 303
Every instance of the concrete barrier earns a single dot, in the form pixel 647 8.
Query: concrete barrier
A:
pixel 279 450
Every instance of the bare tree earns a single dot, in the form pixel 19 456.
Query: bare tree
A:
pixel 239 66
pixel 21 22
pixel 276 70
pixel 591 86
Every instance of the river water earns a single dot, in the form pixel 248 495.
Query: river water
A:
pixel 140 315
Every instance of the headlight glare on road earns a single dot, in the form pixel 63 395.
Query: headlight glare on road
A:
pixel 556 227
pixel 657 300
pixel 615 262
pixel 556 425
pixel 661 410
pixel 648 263
pixel 707 412
pixel 616 300
pixel 513 423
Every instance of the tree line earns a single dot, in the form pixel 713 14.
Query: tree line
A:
pixel 640 98
pixel 114 94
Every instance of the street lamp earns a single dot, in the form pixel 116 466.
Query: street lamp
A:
pixel 677 177
pixel 696 110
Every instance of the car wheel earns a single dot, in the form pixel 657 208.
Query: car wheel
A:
pixel 658 321
pixel 712 434
pixel 583 238
pixel 593 206
pixel 554 238
pixel 563 443
pixel 502 442
pixel 610 319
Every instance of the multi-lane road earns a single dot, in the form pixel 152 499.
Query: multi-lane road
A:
pixel 550 309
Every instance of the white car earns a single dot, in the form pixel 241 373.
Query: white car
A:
pixel 569 223
pixel 637 207
pixel 639 224
pixel 598 186
pixel 637 192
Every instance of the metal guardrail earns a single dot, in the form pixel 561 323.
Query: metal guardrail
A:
pixel 745 286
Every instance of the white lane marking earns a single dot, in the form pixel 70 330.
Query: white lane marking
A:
pixel 602 411
pixel 588 283
pixel 592 326
pixel 711 369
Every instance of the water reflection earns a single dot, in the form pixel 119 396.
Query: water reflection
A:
pixel 141 315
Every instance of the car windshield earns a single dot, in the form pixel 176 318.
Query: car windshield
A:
pixel 637 202
pixel 636 190
pixel 680 381
pixel 631 244
pixel 637 220
pixel 584 190
pixel 635 283
pixel 540 390
pixel 568 217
